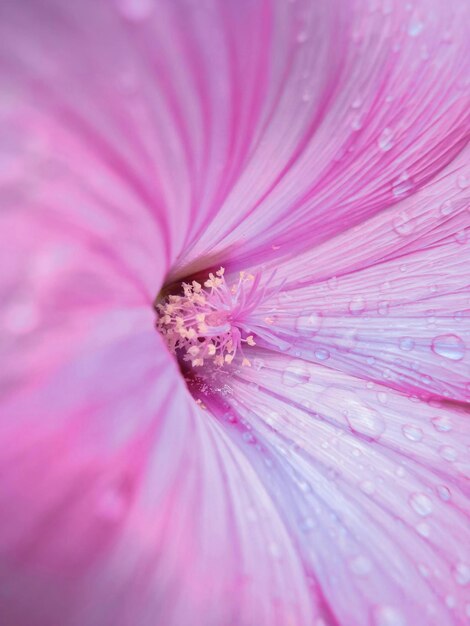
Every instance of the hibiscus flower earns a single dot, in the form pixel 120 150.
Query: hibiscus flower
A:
pixel 234 313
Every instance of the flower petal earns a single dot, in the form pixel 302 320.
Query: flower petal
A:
pixel 389 301
pixel 128 504
pixel 180 109
pixel 372 484
pixel 372 107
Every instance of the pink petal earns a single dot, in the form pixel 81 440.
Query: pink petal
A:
pixel 372 107
pixel 389 300
pixel 373 486
pixel 179 109
pixel 128 504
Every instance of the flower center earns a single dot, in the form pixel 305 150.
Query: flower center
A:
pixel 208 322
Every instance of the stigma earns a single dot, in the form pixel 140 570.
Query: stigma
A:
pixel 207 322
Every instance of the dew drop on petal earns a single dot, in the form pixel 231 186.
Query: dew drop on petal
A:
pixel 309 322
pixel 403 224
pixel 356 103
pixel 382 397
pixel 413 433
pixel 450 601
pixel 361 418
pixel 423 529
pixel 295 375
pixel 449 347
pixel 402 185
pixel 462 574
pixel 423 570
pixel 383 307
pixel 385 140
pixel 322 354
pixel 447 208
pixel 356 123
pixel 388 616
pixel 461 236
pixel 442 424
pixel 448 453
pixel 248 437
pixel 415 26
pixel 463 181
pixel 421 504
pixel 406 344
pixel 443 492
pixel 357 305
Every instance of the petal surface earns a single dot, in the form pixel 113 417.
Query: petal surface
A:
pixel 181 107
pixel 372 484
pixel 387 301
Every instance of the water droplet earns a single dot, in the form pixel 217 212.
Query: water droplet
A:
pixel 400 471
pixel 402 185
pixel 304 486
pixel 135 10
pixel 295 375
pixel 443 492
pixel 413 433
pixel 307 524
pixel 361 418
pixel 403 224
pixel 383 307
pixel 443 423
pixel 448 453
pixel 406 344
pixel 423 570
pixel 385 140
pixel 360 565
pixel 382 397
pixel 463 181
pixel 423 529
pixel 450 601
pixel 357 122
pixel 461 236
pixel 447 208
pixel 388 616
pixel 248 437
pixel 415 26
pixel 449 347
pixel 309 322
pixel 356 103
pixel 421 503
pixel 332 283
pixel 321 354
pixel 462 574
pixel 357 305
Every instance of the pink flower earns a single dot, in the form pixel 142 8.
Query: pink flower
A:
pixel 303 458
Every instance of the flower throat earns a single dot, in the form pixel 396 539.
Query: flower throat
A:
pixel 207 322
